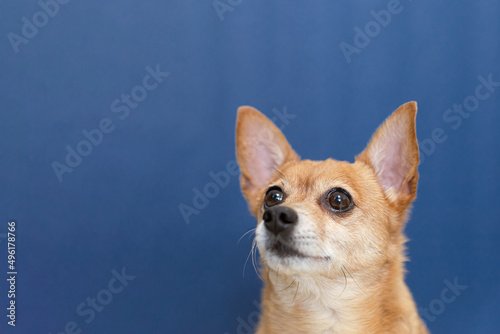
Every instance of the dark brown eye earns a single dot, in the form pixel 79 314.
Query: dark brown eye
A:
pixel 274 196
pixel 339 200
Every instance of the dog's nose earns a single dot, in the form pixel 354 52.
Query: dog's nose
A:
pixel 279 218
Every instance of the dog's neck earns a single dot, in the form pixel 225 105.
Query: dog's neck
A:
pixel 345 303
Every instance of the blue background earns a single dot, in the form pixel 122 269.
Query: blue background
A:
pixel 119 208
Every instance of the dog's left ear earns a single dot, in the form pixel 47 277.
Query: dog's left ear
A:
pixel 392 153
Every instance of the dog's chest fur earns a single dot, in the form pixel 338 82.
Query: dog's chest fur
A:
pixel 335 306
pixel 312 305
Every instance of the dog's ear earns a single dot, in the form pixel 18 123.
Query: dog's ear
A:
pixel 261 149
pixel 393 155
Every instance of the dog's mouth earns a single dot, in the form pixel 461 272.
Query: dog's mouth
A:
pixel 284 250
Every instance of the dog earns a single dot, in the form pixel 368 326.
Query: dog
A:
pixel 330 233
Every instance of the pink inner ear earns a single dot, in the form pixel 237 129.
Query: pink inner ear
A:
pixel 391 169
pixel 390 156
pixel 265 154
pixel 264 161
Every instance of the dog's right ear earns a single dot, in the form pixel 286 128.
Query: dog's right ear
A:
pixel 261 150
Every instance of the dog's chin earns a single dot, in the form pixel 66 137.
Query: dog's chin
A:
pixel 286 258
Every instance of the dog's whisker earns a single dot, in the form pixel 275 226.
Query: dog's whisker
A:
pixel 345 284
pixel 295 296
pixel 254 255
pixel 249 231
pixel 289 286
pixel 246 261
pixel 353 279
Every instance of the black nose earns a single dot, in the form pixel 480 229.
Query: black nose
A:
pixel 279 218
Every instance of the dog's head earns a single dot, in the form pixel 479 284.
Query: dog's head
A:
pixel 317 217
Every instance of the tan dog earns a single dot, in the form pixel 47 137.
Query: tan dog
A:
pixel 330 233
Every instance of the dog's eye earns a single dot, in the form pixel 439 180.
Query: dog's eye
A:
pixel 274 195
pixel 339 200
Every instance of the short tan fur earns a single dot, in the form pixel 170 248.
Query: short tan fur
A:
pixel 327 270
